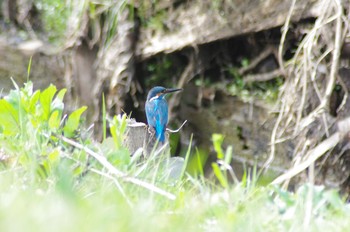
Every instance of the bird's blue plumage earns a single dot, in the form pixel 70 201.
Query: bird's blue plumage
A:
pixel 157 110
pixel 157 116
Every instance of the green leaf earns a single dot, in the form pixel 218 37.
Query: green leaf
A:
pixel 54 156
pixel 61 94
pixel 9 118
pixel 54 121
pixel 29 67
pixel 228 155
pixel 199 162
pixel 117 129
pixel 284 196
pixel 188 153
pixel 219 175
pixel 73 122
pixel 332 196
pixel 119 157
pixel 13 98
pixel 32 102
pixel 78 170
pixel 28 88
pixel 217 142
pixel 57 103
pixel 123 125
pixel 244 179
pixel 46 99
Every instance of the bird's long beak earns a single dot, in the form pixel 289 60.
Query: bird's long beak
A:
pixel 172 90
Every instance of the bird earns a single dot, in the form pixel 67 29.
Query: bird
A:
pixel 157 110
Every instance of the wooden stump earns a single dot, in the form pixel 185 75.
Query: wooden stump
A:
pixel 139 135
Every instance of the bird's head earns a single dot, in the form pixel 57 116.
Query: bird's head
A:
pixel 159 92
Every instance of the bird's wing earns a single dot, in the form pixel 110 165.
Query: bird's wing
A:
pixel 161 115
pixel 157 116
pixel 151 114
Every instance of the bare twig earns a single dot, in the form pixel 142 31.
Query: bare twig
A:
pixel 316 69
pixel 274 137
pixel 313 155
pixel 283 37
pixel 115 182
pixel 317 152
pixel 104 162
pixel 263 55
pixel 336 55
pixel 303 96
pixel 316 58
pixel 185 77
pixel 177 130
pixel 346 94
pixel 187 74
pixel 263 76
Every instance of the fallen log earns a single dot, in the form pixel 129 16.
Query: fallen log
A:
pixel 139 136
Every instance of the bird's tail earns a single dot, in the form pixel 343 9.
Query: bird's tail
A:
pixel 160 134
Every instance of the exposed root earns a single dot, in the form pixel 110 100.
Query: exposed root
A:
pixel 263 55
pixel 312 75
pixel 263 76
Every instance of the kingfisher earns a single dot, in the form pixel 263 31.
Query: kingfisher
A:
pixel 157 110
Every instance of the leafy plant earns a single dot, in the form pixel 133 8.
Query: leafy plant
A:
pixel 47 176
pixel 55 15
pixel 161 70
pixel 267 91
pixel 31 121
pixel 222 167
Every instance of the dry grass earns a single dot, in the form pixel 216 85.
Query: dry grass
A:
pixel 305 97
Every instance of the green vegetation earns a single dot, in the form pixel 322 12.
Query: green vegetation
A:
pixel 55 15
pixel 55 177
pixel 161 69
pixel 151 16
pixel 235 85
pixel 267 91
pixel 62 20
